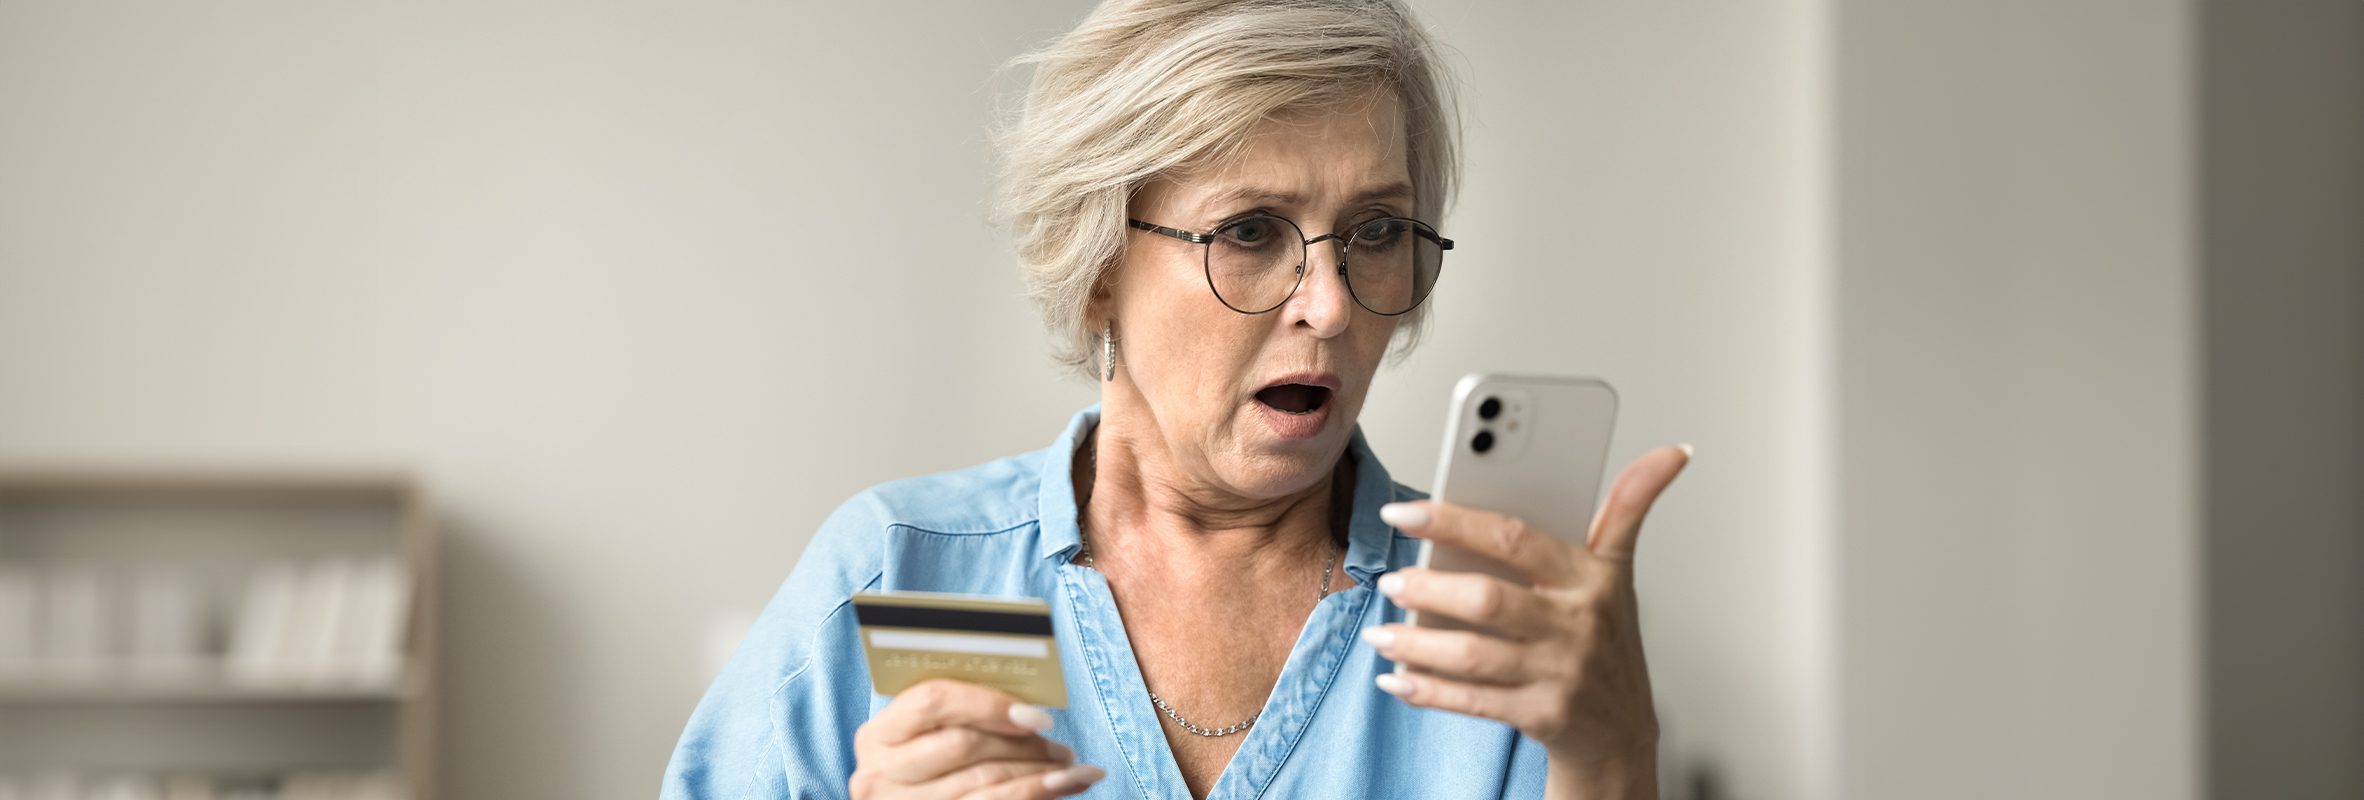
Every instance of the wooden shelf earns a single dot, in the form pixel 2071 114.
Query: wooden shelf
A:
pixel 188 692
pixel 219 526
pixel 200 686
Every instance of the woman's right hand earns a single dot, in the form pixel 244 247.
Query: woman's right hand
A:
pixel 948 739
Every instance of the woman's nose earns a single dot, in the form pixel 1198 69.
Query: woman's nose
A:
pixel 1322 302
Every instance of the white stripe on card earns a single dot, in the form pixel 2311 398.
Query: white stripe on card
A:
pixel 961 643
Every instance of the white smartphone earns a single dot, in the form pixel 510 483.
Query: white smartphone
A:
pixel 1525 447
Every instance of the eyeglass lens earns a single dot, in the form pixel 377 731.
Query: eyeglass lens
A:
pixel 1255 264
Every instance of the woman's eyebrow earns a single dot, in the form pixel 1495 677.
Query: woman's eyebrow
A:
pixel 1393 191
pixel 1254 195
pixel 1258 195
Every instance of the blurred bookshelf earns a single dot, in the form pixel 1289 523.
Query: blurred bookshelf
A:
pixel 192 635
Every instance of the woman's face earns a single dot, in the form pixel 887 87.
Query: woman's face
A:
pixel 1259 406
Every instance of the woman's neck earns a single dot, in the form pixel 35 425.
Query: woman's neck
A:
pixel 1141 511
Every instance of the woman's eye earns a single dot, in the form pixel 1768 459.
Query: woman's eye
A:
pixel 1379 230
pixel 1250 231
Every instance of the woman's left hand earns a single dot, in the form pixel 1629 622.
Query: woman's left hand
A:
pixel 1567 669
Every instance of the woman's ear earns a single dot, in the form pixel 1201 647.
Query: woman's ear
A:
pixel 1102 303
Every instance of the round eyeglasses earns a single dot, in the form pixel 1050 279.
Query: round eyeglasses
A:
pixel 1255 263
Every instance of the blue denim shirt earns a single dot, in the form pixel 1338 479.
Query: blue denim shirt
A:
pixel 779 722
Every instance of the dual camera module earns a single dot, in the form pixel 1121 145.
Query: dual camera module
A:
pixel 1487 410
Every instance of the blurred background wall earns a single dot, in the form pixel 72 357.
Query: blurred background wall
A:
pixel 1944 294
pixel 2019 461
pixel 2282 227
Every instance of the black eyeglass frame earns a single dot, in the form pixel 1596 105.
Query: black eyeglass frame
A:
pixel 1207 257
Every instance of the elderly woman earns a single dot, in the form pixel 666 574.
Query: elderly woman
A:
pixel 1226 213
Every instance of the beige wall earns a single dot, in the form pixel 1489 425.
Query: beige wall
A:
pixel 2017 376
pixel 646 290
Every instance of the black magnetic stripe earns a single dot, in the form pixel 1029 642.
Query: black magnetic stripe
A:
pixel 952 619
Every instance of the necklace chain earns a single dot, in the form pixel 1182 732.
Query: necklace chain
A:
pixel 1329 563
pixel 1176 716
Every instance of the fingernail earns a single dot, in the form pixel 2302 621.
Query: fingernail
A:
pixel 1029 717
pixel 1071 777
pixel 1404 515
pixel 1391 583
pixel 1392 683
pixel 1379 637
pixel 1685 447
pixel 1060 753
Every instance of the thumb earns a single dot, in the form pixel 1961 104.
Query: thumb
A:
pixel 1619 524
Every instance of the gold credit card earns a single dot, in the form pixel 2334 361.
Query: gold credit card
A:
pixel 1000 643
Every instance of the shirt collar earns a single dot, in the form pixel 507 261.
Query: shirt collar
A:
pixel 1368 540
pixel 1060 534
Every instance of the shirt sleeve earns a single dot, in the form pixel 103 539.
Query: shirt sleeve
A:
pixel 779 721
pixel 1530 766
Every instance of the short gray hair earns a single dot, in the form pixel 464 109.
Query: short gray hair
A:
pixel 1149 88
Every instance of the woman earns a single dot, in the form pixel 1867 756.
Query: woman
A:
pixel 1224 210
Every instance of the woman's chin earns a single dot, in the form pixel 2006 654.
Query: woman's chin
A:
pixel 1292 453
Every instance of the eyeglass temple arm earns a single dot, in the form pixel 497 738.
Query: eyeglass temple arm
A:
pixel 1193 238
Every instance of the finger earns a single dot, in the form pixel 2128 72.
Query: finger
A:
pixel 933 704
pixel 996 779
pixel 1512 705
pixel 1056 783
pixel 932 755
pixel 1512 610
pixel 1509 540
pixel 1460 655
pixel 1619 524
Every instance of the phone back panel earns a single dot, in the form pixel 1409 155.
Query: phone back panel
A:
pixel 1538 457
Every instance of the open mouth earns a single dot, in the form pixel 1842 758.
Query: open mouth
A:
pixel 1295 398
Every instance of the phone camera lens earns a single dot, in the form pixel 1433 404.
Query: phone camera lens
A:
pixel 1482 442
pixel 1488 410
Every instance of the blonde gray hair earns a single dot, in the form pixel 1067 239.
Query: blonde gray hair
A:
pixel 1144 89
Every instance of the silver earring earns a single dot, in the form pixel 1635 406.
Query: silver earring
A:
pixel 1107 350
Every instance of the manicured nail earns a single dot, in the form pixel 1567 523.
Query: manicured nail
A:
pixel 1029 717
pixel 1686 448
pixel 1379 637
pixel 1071 777
pixel 1403 515
pixel 1392 683
pixel 1391 583
pixel 1060 753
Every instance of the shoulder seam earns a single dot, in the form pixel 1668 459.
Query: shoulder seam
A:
pixel 779 743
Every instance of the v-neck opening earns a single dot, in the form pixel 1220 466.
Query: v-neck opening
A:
pixel 1311 670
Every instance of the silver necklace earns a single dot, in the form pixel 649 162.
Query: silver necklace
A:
pixel 1329 561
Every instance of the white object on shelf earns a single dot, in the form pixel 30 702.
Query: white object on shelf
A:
pixel 308 655
pixel 369 644
pixel 123 787
pixel 167 635
pixel 188 787
pixel 263 622
pixel 77 629
pixel 335 622
pixel 300 785
pixel 54 786
pixel 20 592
